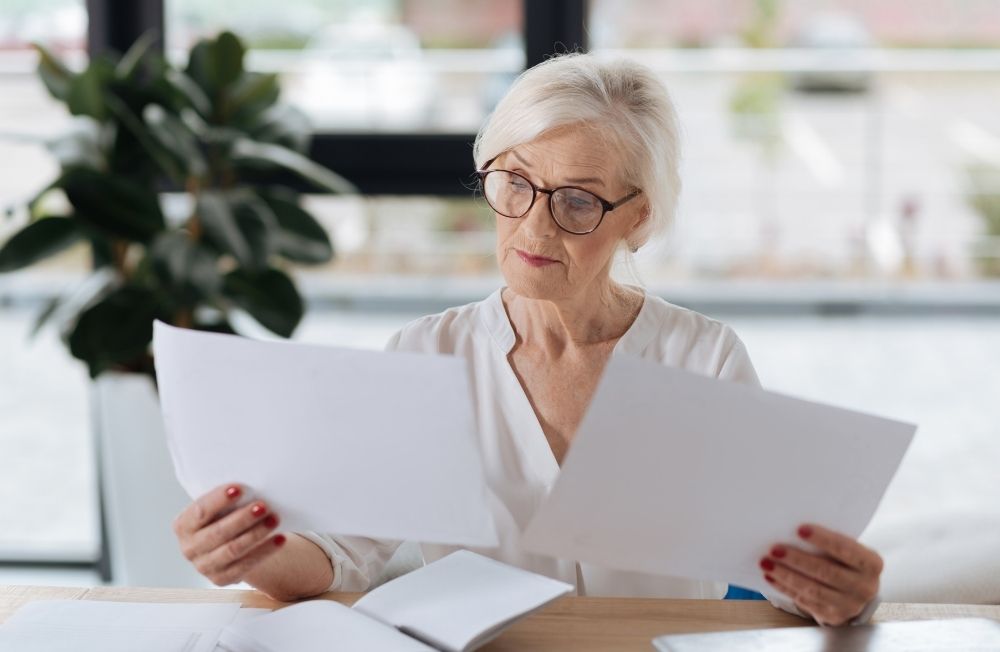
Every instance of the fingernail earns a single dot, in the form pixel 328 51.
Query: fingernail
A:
pixel 270 521
pixel 279 540
pixel 767 564
pixel 769 579
pixel 805 531
pixel 257 510
pixel 777 552
pixel 233 492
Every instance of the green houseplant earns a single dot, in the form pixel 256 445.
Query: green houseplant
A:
pixel 213 136
pixel 182 185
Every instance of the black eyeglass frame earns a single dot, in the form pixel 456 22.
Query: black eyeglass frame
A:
pixel 606 205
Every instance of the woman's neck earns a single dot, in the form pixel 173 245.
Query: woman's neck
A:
pixel 598 316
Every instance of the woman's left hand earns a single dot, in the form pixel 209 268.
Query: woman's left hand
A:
pixel 834 585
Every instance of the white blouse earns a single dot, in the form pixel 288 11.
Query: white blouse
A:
pixel 519 464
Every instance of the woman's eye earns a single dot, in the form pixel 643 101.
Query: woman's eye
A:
pixel 519 186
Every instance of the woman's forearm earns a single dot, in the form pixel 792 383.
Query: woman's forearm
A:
pixel 300 570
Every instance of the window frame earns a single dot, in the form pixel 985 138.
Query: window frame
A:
pixel 378 163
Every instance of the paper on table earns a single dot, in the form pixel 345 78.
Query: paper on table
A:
pixel 316 626
pixel 104 626
pixel 338 440
pixel 677 474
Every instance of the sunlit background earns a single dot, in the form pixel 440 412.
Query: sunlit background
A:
pixel 841 209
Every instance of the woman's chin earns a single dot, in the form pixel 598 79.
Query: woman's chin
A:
pixel 535 288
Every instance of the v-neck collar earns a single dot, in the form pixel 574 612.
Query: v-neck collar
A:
pixel 632 342
pixel 534 445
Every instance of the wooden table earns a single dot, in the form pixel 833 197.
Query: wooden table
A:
pixel 570 623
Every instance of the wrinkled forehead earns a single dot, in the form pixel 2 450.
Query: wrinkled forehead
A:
pixel 574 153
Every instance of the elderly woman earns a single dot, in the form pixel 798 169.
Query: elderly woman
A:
pixel 579 161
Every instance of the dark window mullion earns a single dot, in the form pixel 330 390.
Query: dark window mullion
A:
pixel 551 26
pixel 114 25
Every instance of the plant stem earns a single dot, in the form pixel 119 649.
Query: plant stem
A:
pixel 119 253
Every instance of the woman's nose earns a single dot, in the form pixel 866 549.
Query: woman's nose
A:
pixel 538 221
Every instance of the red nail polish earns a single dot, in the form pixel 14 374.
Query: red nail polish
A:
pixel 270 521
pixel 769 579
pixel 279 540
pixel 805 531
pixel 233 492
pixel 777 552
pixel 767 564
pixel 257 510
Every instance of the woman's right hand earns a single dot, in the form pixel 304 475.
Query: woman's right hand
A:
pixel 226 544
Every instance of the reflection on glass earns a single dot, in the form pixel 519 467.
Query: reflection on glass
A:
pixel 390 65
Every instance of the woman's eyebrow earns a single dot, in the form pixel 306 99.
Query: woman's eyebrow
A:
pixel 526 164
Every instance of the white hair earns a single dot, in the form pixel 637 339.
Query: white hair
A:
pixel 622 98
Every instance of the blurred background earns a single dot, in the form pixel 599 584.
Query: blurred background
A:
pixel 841 209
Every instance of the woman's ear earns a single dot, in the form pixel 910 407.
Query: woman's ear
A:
pixel 643 216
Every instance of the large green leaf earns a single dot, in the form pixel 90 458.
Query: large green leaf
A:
pixel 185 267
pixel 54 74
pixel 286 125
pixel 153 147
pixel 268 155
pixel 252 94
pixel 86 91
pixel 215 65
pixel 113 203
pixel 129 64
pixel 269 297
pixel 190 91
pixel 176 137
pixel 116 330
pixel 220 228
pixel 302 239
pixel 39 239
pixel 260 228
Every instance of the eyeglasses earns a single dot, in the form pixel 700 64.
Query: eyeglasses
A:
pixel 574 210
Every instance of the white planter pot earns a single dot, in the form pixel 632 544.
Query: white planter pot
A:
pixel 139 490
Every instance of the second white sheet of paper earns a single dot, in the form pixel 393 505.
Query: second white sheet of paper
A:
pixel 677 474
pixel 335 440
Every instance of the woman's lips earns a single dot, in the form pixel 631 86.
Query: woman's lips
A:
pixel 535 261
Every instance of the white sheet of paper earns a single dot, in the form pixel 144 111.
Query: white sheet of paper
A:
pixel 337 440
pixel 677 474
pixel 316 626
pixel 461 601
pixel 105 626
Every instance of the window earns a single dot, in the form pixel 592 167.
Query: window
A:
pixel 851 140
pixel 412 66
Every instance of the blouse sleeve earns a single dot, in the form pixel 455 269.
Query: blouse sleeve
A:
pixel 358 562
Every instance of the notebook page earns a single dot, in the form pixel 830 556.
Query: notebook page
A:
pixel 461 601
pixel 316 626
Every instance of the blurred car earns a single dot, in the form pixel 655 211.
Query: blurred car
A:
pixel 367 75
pixel 838 37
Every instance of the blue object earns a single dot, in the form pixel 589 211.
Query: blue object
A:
pixel 739 593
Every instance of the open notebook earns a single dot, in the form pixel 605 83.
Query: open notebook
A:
pixel 457 603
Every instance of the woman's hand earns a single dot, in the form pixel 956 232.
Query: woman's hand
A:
pixel 226 544
pixel 834 585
